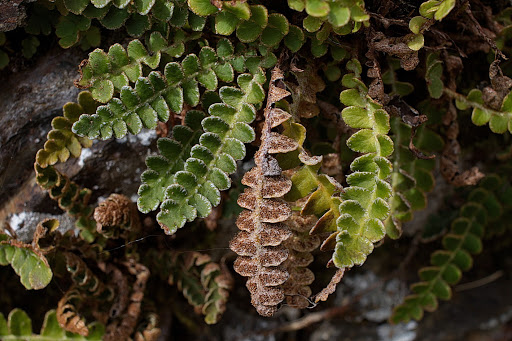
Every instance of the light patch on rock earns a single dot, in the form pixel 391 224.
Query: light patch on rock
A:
pixel 399 332
pixel 25 223
pixel 145 137
pixel 86 153
pixel 376 304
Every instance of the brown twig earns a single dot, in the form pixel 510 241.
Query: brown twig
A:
pixel 477 28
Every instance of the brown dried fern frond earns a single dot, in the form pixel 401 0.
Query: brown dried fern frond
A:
pixel 67 312
pixel 258 244
pixel 124 326
pixel 115 214
pixel 300 245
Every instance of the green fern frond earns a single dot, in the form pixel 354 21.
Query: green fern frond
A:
pixel 103 73
pixel 364 206
pixel 322 191
pixel 154 97
pixel 28 262
pixel 463 240
pixel 412 177
pixel 173 152
pixel 197 188
pixel 18 326
pixel 499 118
pixel 62 142
pixel 322 200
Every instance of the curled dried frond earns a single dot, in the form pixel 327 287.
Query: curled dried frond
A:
pixel 67 312
pixel 18 326
pixel 71 198
pixel 148 329
pixel 123 326
pixel 204 283
pixel 85 279
pixel 116 213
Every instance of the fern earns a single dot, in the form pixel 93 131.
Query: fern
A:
pixel 300 244
pixel 324 16
pixel 105 72
pixel 261 256
pixel 70 197
pixel 499 118
pixel 196 189
pixel 173 154
pixel 153 97
pixel 18 326
pixel 463 240
pixel 202 283
pixel 321 191
pixel 28 262
pixel 61 141
pixel 137 16
pixel 364 205
pixel 429 10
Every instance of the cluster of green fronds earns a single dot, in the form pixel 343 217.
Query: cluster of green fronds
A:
pixel 152 98
pixel 18 326
pixel 365 202
pixel 77 19
pixel 484 206
pixel 412 176
pixel 194 179
pixel 202 67
pixel 105 74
